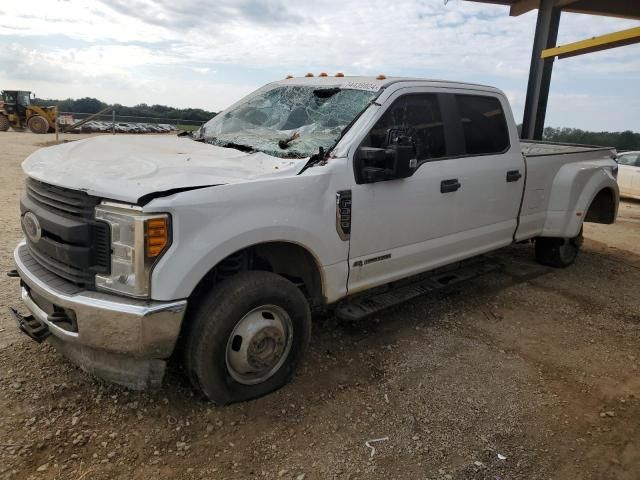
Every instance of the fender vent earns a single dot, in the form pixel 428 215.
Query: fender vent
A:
pixel 343 214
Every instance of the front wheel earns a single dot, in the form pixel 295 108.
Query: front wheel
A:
pixel 38 124
pixel 4 123
pixel 247 337
pixel 558 252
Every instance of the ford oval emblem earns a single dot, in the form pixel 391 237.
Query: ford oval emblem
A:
pixel 31 226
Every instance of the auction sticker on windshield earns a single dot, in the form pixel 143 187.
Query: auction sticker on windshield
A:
pixel 370 86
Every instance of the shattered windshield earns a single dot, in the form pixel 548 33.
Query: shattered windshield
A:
pixel 287 121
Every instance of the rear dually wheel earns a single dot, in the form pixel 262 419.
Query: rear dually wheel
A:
pixel 558 252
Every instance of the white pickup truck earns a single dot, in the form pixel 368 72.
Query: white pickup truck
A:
pixel 299 196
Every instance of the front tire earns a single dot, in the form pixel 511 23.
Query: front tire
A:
pixel 38 124
pixel 558 252
pixel 4 123
pixel 248 336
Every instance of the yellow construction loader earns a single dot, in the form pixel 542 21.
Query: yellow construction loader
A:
pixel 17 112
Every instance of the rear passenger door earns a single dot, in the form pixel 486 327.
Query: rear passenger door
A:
pixel 462 199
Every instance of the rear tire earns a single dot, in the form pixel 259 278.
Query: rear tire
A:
pixel 247 337
pixel 38 124
pixel 4 123
pixel 558 252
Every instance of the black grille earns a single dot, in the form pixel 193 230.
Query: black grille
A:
pixel 62 200
pixel 73 245
pixel 64 270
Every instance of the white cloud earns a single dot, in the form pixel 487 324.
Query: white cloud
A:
pixel 159 51
pixel 596 112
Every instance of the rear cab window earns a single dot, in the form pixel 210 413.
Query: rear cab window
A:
pixel 483 123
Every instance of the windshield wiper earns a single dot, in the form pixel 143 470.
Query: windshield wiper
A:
pixel 315 159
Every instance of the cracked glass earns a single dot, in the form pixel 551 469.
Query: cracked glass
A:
pixel 287 121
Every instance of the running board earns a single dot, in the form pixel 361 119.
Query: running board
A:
pixel 362 306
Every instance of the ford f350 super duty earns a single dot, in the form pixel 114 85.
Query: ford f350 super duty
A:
pixel 305 194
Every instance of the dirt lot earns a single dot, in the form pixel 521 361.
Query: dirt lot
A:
pixel 525 373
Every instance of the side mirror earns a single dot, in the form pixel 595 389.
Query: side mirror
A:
pixel 370 166
pixel 404 159
pixel 397 160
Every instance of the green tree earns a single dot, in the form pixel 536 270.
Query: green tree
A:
pixel 93 105
pixel 626 140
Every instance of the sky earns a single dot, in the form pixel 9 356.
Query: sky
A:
pixel 209 53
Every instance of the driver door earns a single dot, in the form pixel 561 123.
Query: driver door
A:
pixel 458 202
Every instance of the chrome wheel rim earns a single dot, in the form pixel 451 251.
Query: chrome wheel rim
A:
pixel 259 344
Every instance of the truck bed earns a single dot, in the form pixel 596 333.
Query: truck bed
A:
pixel 535 148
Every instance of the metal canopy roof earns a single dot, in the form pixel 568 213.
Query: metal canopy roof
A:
pixel 609 8
pixel 545 50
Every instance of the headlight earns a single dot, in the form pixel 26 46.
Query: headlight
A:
pixel 138 240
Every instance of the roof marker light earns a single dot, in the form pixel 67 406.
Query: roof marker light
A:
pixel 309 74
pixel 288 77
pixel 323 74
pixel 381 77
pixel 339 74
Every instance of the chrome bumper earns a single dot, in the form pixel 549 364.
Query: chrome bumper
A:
pixel 113 333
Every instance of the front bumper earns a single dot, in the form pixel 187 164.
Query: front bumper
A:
pixel 119 339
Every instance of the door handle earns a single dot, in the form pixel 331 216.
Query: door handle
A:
pixel 449 185
pixel 513 175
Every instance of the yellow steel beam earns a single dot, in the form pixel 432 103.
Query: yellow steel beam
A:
pixel 595 44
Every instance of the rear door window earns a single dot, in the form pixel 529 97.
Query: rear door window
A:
pixel 483 123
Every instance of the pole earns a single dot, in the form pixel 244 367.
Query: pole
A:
pixel 113 122
pixel 56 120
pixel 535 107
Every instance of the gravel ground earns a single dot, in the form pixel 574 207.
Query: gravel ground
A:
pixel 525 373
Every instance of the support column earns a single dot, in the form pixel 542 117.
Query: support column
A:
pixel 535 107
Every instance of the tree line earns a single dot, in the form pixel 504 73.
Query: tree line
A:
pixel 93 105
pixel 626 140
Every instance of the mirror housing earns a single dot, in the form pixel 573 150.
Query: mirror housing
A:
pixel 370 166
pixel 397 160
pixel 404 159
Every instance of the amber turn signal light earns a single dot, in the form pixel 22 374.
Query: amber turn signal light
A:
pixel 157 236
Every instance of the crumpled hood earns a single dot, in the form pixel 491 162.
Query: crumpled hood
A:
pixel 126 167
